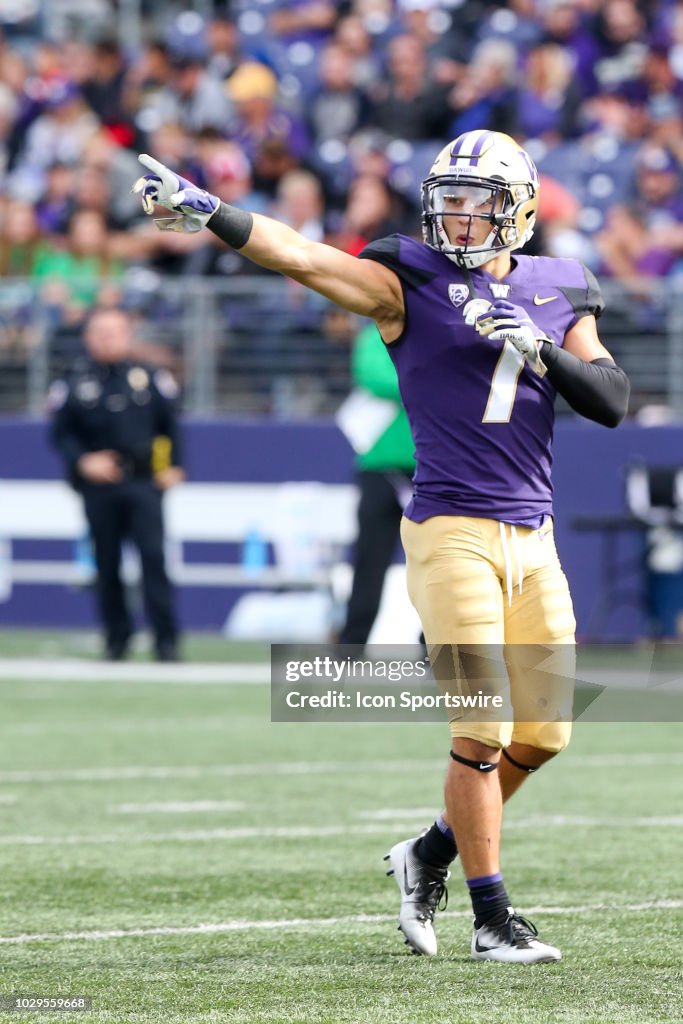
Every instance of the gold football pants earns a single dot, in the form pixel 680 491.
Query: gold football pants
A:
pixel 498 620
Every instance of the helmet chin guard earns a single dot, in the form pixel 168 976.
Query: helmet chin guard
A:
pixel 481 175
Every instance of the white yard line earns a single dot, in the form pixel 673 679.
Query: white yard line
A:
pixel 255 768
pixel 266 768
pixel 91 671
pixel 69 670
pixel 312 923
pixel 79 727
pixel 178 807
pixel 396 813
pixel 538 821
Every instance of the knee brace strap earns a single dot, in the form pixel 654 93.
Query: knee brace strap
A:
pixel 479 766
pixel 518 764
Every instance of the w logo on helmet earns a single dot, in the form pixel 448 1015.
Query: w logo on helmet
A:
pixel 457 293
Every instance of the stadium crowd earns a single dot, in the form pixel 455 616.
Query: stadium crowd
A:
pixel 327 115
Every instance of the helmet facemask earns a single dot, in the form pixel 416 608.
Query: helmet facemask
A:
pixel 463 201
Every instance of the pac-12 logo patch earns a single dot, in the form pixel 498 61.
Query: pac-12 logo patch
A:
pixel 457 293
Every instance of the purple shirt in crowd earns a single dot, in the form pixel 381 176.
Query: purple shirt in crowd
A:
pixel 483 447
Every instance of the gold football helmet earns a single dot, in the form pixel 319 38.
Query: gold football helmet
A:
pixel 483 175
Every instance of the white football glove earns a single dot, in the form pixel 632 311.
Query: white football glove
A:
pixel 505 321
pixel 163 187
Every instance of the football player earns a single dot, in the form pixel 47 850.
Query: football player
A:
pixel 482 340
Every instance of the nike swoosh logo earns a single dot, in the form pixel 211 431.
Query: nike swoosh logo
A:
pixel 407 889
pixel 483 949
pixel 538 301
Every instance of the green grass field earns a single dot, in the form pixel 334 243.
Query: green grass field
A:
pixel 168 851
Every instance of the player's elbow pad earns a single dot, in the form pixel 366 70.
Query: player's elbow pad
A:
pixel 598 390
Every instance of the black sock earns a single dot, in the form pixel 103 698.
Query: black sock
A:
pixel 489 898
pixel 437 846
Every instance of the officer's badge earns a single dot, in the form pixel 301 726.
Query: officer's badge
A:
pixel 457 293
pixel 166 384
pixel 57 395
pixel 138 378
pixel 88 390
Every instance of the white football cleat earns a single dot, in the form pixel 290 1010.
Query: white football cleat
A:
pixel 515 941
pixel 422 889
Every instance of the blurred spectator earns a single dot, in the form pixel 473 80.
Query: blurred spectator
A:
pixel 339 107
pixel 373 210
pixel 81 265
pixel 486 96
pixel 300 204
pixel 227 175
pixel 272 139
pixel 516 23
pixel 196 99
pixel 550 96
pixel 557 230
pixel 446 45
pixel 110 168
pixel 148 86
pixel 103 89
pixel 622 35
pixel 564 23
pixel 20 240
pixel 408 105
pixel 356 42
pixel 645 238
pixel 662 94
pixel 56 203
pixel 223 41
pixel 8 113
pixel 61 132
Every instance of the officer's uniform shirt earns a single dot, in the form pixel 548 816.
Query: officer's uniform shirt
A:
pixel 127 406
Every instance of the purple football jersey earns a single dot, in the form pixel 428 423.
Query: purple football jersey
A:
pixel 481 419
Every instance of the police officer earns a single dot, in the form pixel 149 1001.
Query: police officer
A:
pixel 114 424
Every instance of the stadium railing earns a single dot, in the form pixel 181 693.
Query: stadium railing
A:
pixel 261 345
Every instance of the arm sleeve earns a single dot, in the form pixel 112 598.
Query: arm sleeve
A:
pixel 372 367
pixel 598 390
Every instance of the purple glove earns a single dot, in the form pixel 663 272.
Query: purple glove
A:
pixel 164 187
pixel 505 321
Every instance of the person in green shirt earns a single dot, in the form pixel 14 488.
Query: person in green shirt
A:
pixel 385 468
pixel 85 261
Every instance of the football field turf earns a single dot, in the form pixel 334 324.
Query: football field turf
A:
pixel 169 852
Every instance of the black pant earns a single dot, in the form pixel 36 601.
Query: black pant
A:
pixel 130 510
pixel 379 522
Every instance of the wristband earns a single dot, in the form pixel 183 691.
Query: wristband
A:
pixel 231 225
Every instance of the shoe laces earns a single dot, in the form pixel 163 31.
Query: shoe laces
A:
pixel 520 928
pixel 431 892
